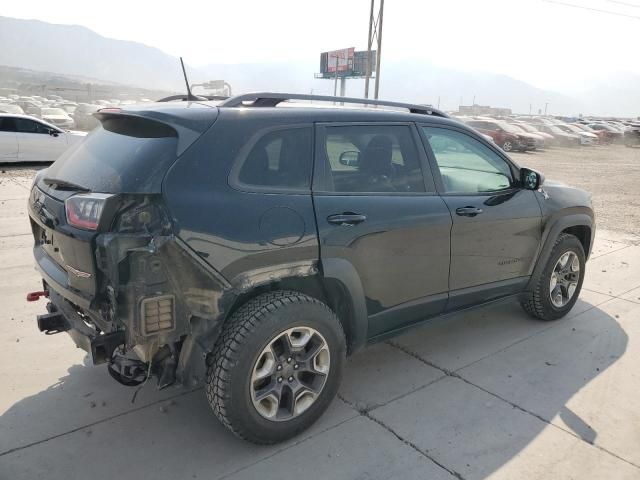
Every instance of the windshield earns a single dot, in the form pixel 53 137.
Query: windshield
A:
pixel 527 128
pixel 509 128
pixel 517 128
pixel 53 111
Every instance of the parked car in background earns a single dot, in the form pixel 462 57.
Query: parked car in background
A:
pixel 83 116
pixel 610 134
pixel 11 108
pixel 27 139
pixel 632 136
pixel 539 139
pixel 57 117
pixel 586 138
pixel 30 107
pixel 504 135
pixel 548 139
pixel 68 107
pixel 562 138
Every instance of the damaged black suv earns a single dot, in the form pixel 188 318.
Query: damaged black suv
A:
pixel 250 246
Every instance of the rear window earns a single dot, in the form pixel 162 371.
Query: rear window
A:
pixel 122 155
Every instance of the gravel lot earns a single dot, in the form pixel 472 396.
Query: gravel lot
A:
pixel 610 173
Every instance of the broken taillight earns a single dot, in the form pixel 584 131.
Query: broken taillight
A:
pixel 84 210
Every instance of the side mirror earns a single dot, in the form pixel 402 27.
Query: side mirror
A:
pixel 53 133
pixel 530 179
pixel 350 159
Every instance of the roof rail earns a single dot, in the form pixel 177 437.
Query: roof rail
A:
pixel 186 98
pixel 267 99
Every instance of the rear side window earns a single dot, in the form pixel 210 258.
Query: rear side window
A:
pixel 372 159
pixel 278 160
pixel 122 155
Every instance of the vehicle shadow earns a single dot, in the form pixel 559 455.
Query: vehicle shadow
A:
pixel 85 421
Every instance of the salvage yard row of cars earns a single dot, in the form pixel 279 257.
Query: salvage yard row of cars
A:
pixel 523 133
pixel 58 111
pixel 39 129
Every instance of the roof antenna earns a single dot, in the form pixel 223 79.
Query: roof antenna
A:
pixel 190 96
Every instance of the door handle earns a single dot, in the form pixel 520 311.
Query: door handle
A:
pixel 468 211
pixel 347 218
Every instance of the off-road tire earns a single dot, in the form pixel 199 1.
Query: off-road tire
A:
pixel 537 302
pixel 242 339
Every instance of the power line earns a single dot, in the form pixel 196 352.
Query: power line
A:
pixel 626 4
pixel 609 12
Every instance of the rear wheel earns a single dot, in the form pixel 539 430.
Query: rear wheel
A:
pixel 558 285
pixel 276 366
pixel 507 146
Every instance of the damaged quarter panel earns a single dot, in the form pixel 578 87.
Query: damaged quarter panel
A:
pixel 237 212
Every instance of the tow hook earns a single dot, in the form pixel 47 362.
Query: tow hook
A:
pixel 35 296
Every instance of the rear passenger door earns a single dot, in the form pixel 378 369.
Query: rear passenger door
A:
pixel 8 140
pixel 377 210
pixel 496 223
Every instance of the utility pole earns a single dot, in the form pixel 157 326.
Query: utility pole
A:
pixel 438 102
pixel 375 30
pixel 335 83
pixel 545 108
pixel 379 52
pixel 369 42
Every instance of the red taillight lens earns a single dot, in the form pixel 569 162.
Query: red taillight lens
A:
pixel 84 211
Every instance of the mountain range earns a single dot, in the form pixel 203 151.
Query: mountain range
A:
pixel 78 51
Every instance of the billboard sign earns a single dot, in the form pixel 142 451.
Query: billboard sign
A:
pixel 340 61
pixel 346 62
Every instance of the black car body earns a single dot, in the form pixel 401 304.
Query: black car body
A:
pixel 168 219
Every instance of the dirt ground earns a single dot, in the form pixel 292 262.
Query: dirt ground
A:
pixel 610 173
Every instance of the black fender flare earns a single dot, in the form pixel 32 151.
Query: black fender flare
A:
pixel 550 235
pixel 346 274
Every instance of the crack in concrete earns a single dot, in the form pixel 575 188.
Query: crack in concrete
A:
pixel 365 413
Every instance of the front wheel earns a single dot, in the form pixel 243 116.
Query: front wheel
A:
pixel 507 146
pixel 558 284
pixel 276 366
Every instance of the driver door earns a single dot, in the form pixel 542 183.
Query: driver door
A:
pixel 496 228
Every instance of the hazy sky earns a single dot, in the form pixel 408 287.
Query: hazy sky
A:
pixel 547 44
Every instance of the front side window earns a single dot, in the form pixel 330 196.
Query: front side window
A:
pixel 280 159
pixel 372 158
pixel 24 125
pixel 465 164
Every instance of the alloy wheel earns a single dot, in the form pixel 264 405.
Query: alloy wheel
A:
pixel 290 373
pixel 564 279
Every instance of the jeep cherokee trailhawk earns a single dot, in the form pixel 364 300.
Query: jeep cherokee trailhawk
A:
pixel 251 246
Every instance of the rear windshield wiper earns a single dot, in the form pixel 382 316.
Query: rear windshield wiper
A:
pixel 64 185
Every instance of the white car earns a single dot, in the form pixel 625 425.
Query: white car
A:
pixel 57 117
pixel 26 139
pixel 586 138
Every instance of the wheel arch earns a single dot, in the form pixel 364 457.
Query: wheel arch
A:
pixel 580 225
pixel 335 282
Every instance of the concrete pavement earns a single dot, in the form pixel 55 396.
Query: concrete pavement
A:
pixel 485 394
